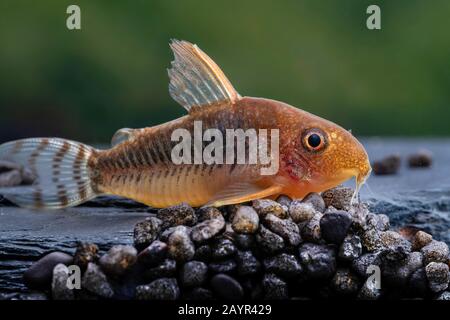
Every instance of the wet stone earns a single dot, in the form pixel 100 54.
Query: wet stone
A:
pixel 319 261
pixel 268 241
pixel 182 214
pixel 95 281
pixel 245 241
pixel 39 274
pixel 225 266
pixel 345 282
pixel 316 200
pixel 362 263
pixel 334 226
pixel 145 232
pixel 207 229
pixel 118 260
pixel 285 228
pixel 247 264
pixel 222 248
pixel 351 248
pixel 160 289
pixel 435 251
pixel 60 290
pixel 284 265
pixel 227 287
pixel 265 206
pixel 167 269
pixel 422 159
pixel 339 198
pixel 154 254
pixel 246 220
pixel 438 276
pixel 301 211
pixel 284 200
pixel 386 166
pixel 274 288
pixel 193 274
pixel 85 253
pixel 420 240
pixel 180 246
pixel 311 231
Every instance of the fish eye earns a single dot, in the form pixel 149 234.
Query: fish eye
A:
pixel 314 140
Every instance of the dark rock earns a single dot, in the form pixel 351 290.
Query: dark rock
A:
pixel 438 276
pixel 445 296
pixel 268 241
pixel 10 179
pixel 145 232
pixel 208 229
pixel 351 248
pixel 203 253
pixel 160 289
pixel 285 228
pixel 316 200
pixel 274 288
pixel 181 214
pixel 208 213
pixel 370 290
pixel 84 254
pixel 319 261
pixel 284 200
pixel 339 197
pixel 227 287
pixel 284 265
pixel 301 211
pixel 345 282
pixel 193 274
pixel 398 273
pixel 435 251
pixel 422 159
pixel 246 220
pixel 199 294
pixel 154 254
pixel 265 206
pixel 222 248
pixel 167 269
pixel 386 166
pixel 396 248
pixel 39 275
pixel 311 231
pixel 118 260
pixel 60 290
pixel 362 263
pixel 164 237
pixel 244 241
pixel 418 283
pixel 247 264
pixel 180 246
pixel 225 266
pixel 95 281
pixel 420 240
pixel 379 222
pixel 334 226
pixel 371 240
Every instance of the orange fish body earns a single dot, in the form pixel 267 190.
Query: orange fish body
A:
pixel 313 154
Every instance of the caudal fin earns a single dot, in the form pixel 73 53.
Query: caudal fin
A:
pixel 60 169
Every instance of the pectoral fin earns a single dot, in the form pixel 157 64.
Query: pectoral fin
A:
pixel 242 192
pixel 123 135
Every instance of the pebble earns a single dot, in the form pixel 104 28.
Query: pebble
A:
pixel 265 206
pixel 60 290
pixel 222 248
pixel 362 263
pixel 225 266
pixel 420 240
pixel 207 229
pixel 180 246
pixel 145 232
pixel 285 228
pixel 181 214
pixel 10 179
pixel 345 282
pixel 311 231
pixel 334 226
pixel 386 166
pixel 95 281
pixel 351 248
pixel 167 269
pixel 160 289
pixel 438 276
pixel 118 260
pixel 154 254
pixel 378 222
pixel 199 294
pixel 274 288
pixel 85 253
pixel 246 220
pixel 444 296
pixel 164 236
pixel 203 253
pixel 284 265
pixel 284 200
pixel 369 290
pixel 193 274
pixel 339 198
pixel 435 251
pixel 244 241
pixel 398 273
pixel 422 159
pixel 39 274
pixel 418 283
pixel 397 247
pixel 301 211
pixel 208 213
pixel 316 200
pixel 318 261
pixel 227 287
pixel 371 240
pixel 247 264
pixel 268 241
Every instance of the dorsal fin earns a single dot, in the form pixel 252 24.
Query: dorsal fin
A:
pixel 196 80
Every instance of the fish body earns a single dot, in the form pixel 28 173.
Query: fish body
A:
pixel 313 154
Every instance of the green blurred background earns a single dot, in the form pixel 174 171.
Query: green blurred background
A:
pixel 317 55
